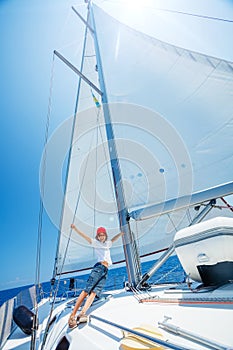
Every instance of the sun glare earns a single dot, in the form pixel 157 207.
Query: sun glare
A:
pixel 133 3
pixel 133 10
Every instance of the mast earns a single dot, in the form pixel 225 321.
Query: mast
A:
pixel 130 248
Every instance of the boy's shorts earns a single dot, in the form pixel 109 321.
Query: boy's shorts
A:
pixel 97 278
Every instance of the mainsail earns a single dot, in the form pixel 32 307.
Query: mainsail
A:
pixel 171 111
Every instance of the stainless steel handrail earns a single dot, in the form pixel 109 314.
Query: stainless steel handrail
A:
pixel 166 344
pixel 192 336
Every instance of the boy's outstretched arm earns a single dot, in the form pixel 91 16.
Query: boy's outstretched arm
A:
pixel 82 234
pixel 117 236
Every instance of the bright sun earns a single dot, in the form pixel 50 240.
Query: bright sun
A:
pixel 133 5
pixel 133 9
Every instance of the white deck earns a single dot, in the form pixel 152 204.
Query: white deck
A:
pixel 210 318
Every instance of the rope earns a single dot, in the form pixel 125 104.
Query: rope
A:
pixel 66 249
pixel 172 222
pixel 228 206
pixel 41 210
pixel 60 274
pixel 69 238
pixel 96 162
pixel 106 158
pixel 189 216
pixel 137 238
pixel 78 200
pixel 181 12
pixel 197 15
pixel 166 274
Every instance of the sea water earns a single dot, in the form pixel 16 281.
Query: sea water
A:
pixel 170 272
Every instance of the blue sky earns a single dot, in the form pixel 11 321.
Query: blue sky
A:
pixel 29 32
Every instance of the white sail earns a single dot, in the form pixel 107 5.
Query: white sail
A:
pixel 171 111
pixel 148 151
pixel 191 97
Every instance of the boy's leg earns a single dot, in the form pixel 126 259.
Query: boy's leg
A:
pixel 82 317
pixel 88 302
pixel 72 321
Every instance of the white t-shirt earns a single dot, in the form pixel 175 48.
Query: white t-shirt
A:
pixel 102 250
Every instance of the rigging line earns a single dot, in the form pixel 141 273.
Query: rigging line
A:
pixel 107 161
pixel 41 210
pixel 227 204
pixel 80 190
pixel 196 15
pixel 136 253
pixel 75 211
pixel 202 83
pixel 104 150
pixel 172 222
pixel 183 13
pixel 165 275
pixel 108 167
pixel 137 237
pixel 44 164
pixel 66 180
pixel 218 129
pixel 68 241
pixel 75 117
pixel 85 170
pixel 189 216
pixel 66 249
pixel 96 164
pixel 196 213
pixel 223 207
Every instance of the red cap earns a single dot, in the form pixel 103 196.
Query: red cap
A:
pixel 101 230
